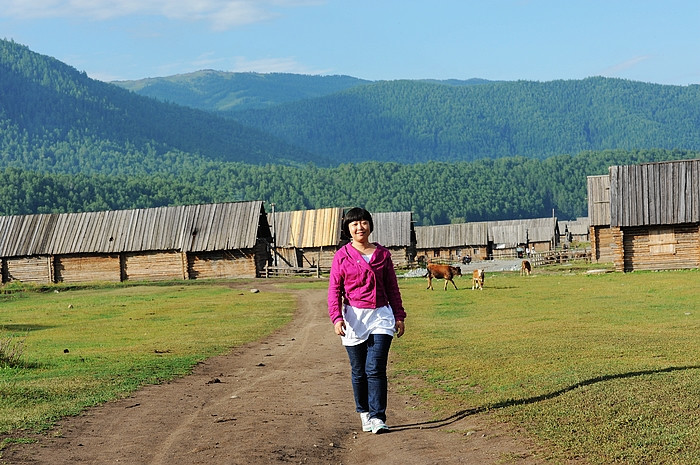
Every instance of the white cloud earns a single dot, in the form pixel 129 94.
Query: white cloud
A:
pixel 222 14
pixel 272 65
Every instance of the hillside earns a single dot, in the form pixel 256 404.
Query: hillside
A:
pixel 69 144
pixel 229 92
pixel 220 91
pixel 413 122
pixel 351 120
pixel 54 118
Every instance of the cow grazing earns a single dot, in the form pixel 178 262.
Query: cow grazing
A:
pixel 478 279
pixel 525 268
pixel 445 272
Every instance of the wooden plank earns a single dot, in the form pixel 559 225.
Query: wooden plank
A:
pixel 88 268
pixel 28 269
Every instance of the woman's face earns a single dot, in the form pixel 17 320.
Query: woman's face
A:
pixel 359 230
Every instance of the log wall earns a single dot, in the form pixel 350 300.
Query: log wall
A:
pixel 155 266
pixel 662 248
pixel 87 268
pixel 602 244
pixel 28 270
pixel 221 264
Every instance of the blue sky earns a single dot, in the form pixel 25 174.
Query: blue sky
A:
pixel 541 40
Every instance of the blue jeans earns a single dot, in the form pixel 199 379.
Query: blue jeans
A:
pixel 368 369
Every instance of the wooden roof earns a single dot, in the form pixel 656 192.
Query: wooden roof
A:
pixel 322 228
pixel 577 227
pixel 307 228
pixel 393 229
pixel 599 200
pixel 452 235
pixel 189 228
pixel 514 232
pixel 655 193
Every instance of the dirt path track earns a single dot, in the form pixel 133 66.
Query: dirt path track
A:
pixel 286 399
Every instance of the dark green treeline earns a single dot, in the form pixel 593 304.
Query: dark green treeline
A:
pixel 437 193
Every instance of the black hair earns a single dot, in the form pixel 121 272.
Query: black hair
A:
pixel 357 214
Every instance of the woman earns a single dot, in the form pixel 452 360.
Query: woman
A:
pixel 364 304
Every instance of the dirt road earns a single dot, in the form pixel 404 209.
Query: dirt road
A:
pixel 286 399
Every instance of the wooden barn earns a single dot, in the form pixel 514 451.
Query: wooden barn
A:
pixel 225 240
pixel 574 230
pixel 306 238
pixel 453 242
pixel 395 231
pixel 515 237
pixel 655 215
pixel 600 233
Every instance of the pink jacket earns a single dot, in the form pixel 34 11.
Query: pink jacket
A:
pixel 362 284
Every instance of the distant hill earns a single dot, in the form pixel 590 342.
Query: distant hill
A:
pixel 54 118
pixel 229 92
pixel 220 91
pixel 413 122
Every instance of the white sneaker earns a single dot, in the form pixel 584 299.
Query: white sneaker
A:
pixel 378 426
pixel 366 424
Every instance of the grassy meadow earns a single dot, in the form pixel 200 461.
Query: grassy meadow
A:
pixel 86 346
pixel 601 367
pixel 604 367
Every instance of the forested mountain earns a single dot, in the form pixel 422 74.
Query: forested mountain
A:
pixel 70 144
pixel 351 120
pixel 227 92
pixel 54 118
pixel 221 91
pixel 412 121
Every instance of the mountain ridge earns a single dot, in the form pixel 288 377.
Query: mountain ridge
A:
pixel 415 121
pixel 60 114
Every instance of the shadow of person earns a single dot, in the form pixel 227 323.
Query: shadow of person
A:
pixel 460 415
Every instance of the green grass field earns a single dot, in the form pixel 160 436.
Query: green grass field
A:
pixel 84 347
pixel 604 367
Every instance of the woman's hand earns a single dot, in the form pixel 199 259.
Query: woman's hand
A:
pixel 340 327
pixel 400 328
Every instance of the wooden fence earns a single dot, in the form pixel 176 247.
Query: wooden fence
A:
pixel 272 271
pixel 559 256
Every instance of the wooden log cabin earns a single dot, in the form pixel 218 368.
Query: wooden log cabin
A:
pixel 515 237
pixel 306 238
pixel 601 235
pixel 453 242
pixel 655 215
pixel 577 230
pixel 224 240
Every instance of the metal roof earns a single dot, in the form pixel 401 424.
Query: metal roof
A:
pixel 188 228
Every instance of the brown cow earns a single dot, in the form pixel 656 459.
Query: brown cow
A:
pixel 525 268
pixel 478 279
pixel 445 272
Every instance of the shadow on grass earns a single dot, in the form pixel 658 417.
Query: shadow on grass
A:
pixel 531 400
pixel 24 328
